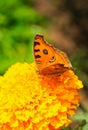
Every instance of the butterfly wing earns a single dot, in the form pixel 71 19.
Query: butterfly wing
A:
pixel 49 60
pixel 43 52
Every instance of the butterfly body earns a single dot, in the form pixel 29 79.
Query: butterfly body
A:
pixel 49 60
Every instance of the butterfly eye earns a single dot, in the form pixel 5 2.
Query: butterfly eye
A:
pixel 52 59
pixel 45 51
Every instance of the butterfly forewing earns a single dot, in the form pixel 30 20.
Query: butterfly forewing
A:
pixel 42 52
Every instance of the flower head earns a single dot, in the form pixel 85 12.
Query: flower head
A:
pixel 29 101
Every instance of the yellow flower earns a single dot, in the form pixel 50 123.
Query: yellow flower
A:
pixel 29 101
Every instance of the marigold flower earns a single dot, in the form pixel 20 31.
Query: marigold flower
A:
pixel 29 101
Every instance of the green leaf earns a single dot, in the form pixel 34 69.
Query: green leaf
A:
pixel 80 116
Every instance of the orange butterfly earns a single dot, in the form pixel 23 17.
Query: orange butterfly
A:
pixel 49 60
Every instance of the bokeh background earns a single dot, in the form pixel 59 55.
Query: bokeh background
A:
pixel 64 23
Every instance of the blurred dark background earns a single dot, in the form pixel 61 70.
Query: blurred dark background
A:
pixel 63 23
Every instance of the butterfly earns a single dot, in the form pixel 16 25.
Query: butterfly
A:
pixel 49 60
